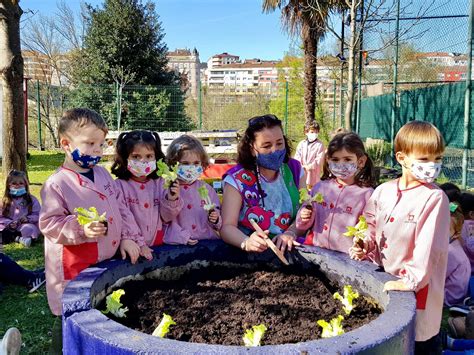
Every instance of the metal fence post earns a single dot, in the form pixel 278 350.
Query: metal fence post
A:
pixel 286 107
pixel 334 105
pixel 467 100
pixel 394 88
pixel 359 85
pixel 200 104
pixel 341 106
pixel 38 111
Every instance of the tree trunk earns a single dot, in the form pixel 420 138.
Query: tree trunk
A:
pixel 11 78
pixel 310 58
pixel 351 73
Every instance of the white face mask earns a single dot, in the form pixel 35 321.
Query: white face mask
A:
pixel 426 172
pixel 312 136
pixel 343 170
pixel 189 173
pixel 141 168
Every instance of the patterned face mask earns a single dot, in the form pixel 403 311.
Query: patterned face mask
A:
pixel 189 173
pixel 83 160
pixel 272 161
pixel 141 168
pixel 343 170
pixel 426 172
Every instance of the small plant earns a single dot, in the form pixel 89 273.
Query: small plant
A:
pixel 164 171
pixel 378 151
pixel 306 198
pixel 164 327
pixel 347 300
pixel 204 194
pixel 252 337
pixel 358 231
pixel 333 328
pixel 114 305
pixel 85 216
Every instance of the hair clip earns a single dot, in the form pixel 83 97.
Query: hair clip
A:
pixel 453 207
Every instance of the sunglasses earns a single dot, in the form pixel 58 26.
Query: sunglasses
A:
pixel 263 119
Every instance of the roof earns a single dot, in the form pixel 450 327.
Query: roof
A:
pixel 179 52
pixel 225 54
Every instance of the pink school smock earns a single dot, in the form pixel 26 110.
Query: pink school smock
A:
pixel 407 230
pixel 192 221
pixel 458 273
pixel 311 153
pixel 342 206
pixel 67 250
pixel 18 209
pixel 148 203
pixel 467 234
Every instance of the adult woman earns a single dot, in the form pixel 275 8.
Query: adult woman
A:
pixel 263 187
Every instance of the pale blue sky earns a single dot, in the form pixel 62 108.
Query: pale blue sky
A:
pixel 212 26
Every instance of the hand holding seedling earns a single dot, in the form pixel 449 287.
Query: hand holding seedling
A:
pixel 306 213
pixel 357 252
pixel 214 217
pixel 95 230
pixel 131 248
pixel 173 191
pixel 146 252
pixel 94 225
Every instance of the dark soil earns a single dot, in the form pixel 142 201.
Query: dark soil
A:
pixel 216 304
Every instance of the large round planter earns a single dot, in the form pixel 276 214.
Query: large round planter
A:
pixel 87 331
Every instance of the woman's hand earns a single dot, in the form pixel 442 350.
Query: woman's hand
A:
pixel 306 214
pixel 146 252
pixel 173 193
pixel 286 241
pixel 256 242
pixel 396 285
pixel 95 230
pixel 23 220
pixel 128 246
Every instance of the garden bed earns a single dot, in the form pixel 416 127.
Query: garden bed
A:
pixel 216 304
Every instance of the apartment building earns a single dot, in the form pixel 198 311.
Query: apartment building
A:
pixel 186 63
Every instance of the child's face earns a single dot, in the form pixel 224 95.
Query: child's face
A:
pixel 343 156
pixel 406 160
pixel 312 130
pixel 190 158
pixel 142 153
pixel 17 183
pixel 89 139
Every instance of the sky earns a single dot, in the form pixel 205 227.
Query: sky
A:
pixel 212 26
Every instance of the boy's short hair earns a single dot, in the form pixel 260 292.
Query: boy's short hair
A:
pixel 80 117
pixel 311 125
pixel 421 137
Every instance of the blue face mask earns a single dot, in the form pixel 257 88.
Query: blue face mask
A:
pixel 17 192
pixel 271 161
pixel 83 160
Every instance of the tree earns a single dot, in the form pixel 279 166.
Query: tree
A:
pixel 299 17
pixel 11 76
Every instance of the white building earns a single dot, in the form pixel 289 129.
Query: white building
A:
pixel 222 59
pixel 186 63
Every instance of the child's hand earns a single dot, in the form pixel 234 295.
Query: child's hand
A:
pixel 306 214
pixel 397 285
pixel 357 252
pixel 146 252
pixel 95 230
pixel 131 248
pixel 192 242
pixel 12 225
pixel 214 217
pixel 173 194
pixel 23 220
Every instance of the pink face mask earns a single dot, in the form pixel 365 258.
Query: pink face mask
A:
pixel 343 170
pixel 141 168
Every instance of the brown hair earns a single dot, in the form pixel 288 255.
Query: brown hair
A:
pixel 183 143
pixel 80 117
pixel 311 125
pixel 457 220
pixel 7 198
pixel 351 142
pixel 467 203
pixel 258 124
pixel 126 142
pixel 419 136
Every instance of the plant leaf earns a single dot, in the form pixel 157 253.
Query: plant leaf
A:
pixel 164 171
pixel 164 327
pixel 85 216
pixel 252 337
pixel 114 305
pixel 333 328
pixel 347 300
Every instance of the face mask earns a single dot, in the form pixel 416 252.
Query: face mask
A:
pixel 83 160
pixel 271 161
pixel 189 173
pixel 343 170
pixel 426 172
pixel 311 136
pixel 141 168
pixel 17 192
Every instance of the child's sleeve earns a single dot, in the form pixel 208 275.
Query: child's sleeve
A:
pixel 33 217
pixel 4 220
pixel 299 152
pixel 215 200
pixel 55 221
pixel 319 159
pixel 430 242
pixel 168 209
pixel 130 229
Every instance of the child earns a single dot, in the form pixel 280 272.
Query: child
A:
pixel 310 153
pixel 467 205
pixel 149 202
pixel 458 270
pixel 346 186
pixel 193 222
pixel 408 221
pixel 79 182
pixel 20 210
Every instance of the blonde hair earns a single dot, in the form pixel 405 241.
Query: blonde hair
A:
pixel 457 220
pixel 420 137
pixel 180 145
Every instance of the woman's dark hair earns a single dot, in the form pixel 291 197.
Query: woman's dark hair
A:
pixel 452 191
pixel 7 198
pixel 351 142
pixel 126 142
pixel 258 124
